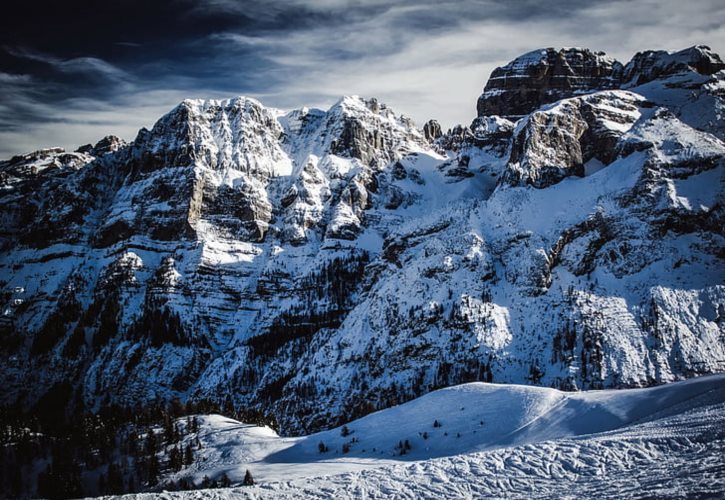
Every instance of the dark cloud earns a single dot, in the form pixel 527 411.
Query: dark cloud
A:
pixel 120 64
pixel 74 28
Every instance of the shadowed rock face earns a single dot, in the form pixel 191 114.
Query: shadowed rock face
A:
pixel 555 142
pixel 652 64
pixel 371 139
pixel 432 130
pixel 491 132
pixel 545 76
pixel 108 144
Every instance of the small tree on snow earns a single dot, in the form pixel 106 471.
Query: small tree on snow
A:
pixel 188 455
pixel 322 447
pixel 403 447
pixel 248 479
pixel 345 431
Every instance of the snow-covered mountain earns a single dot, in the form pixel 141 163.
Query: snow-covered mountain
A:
pixel 319 265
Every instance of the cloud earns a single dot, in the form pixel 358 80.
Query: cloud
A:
pixel 432 59
pixel 82 65
pixel 14 78
pixel 75 122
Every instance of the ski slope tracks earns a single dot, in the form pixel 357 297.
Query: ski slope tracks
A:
pixel 488 440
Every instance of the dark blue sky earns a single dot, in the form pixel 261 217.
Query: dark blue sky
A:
pixel 73 71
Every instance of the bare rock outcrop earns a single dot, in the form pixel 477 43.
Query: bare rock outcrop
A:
pixel 557 141
pixel 544 76
pixel 653 64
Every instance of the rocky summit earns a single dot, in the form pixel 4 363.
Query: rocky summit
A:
pixel 545 76
pixel 317 265
pixel 548 75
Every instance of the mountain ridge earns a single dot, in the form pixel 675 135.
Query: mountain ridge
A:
pixel 237 252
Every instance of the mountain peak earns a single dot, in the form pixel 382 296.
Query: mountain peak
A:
pixel 545 75
pixel 356 105
pixel 653 64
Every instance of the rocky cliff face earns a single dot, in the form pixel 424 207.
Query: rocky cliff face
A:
pixel 545 76
pixel 318 265
pixel 559 140
pixel 690 83
pixel 691 79
pixel 656 64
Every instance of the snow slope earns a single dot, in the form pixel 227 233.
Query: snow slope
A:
pixel 493 440
pixel 479 423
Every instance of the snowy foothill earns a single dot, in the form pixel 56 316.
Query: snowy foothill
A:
pixel 485 440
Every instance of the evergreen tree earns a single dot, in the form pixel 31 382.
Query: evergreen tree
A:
pixel 188 455
pixel 46 484
pixel 151 443
pixel 248 479
pixel 153 470
pixel 176 458
pixel 102 484
pixel 168 428
pixel 115 480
